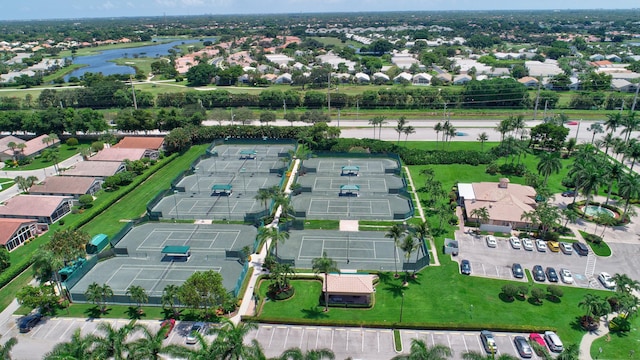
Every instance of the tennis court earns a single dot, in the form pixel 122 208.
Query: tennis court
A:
pixel 146 266
pixel 334 166
pixel 369 184
pixel 383 207
pixel 261 150
pixel 242 182
pixel 215 165
pixel 363 250
pixel 188 206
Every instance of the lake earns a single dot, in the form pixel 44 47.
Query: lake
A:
pixel 100 63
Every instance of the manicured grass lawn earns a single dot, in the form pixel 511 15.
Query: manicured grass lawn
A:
pixel 12 288
pixel 619 345
pixel 6 183
pixel 322 225
pixel 450 146
pixel 438 297
pixel 601 249
pixel 142 63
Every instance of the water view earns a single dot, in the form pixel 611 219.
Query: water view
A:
pixel 101 63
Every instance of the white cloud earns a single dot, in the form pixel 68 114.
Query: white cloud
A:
pixel 107 5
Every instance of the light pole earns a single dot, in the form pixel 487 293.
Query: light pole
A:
pixel 175 201
pixel 401 306
pixel 228 207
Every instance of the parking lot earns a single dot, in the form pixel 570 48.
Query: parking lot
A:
pixel 357 343
pixel 496 262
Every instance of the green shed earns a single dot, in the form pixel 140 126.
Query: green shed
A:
pixel 97 244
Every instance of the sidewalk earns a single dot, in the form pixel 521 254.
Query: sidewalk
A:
pixel 591 336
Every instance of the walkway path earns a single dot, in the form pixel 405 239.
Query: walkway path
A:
pixel 591 336
pixel 416 199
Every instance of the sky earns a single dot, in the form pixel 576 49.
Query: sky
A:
pixel 65 9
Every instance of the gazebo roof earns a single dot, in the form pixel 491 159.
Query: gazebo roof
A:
pixel 174 249
pixel 350 168
pixel 350 187
pixel 221 187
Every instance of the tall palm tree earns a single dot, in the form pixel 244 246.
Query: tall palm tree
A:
pixel 79 348
pixel 408 245
pixel 613 122
pixel 395 232
pixel 482 214
pixel 229 343
pixel 625 284
pixel 437 128
pixel 629 188
pixel 595 128
pixel 633 152
pixel 263 195
pixel 325 265
pixel 421 351
pixel 549 163
pixel 483 137
pixel 138 295
pixel 474 355
pixel 277 236
pixel 170 298
pixel 608 141
pixel 630 124
pixel 503 128
pixel 203 350
pixel 113 343
pixel 422 231
pixel 570 352
pixel 614 173
pixel 314 354
pixel 150 346
pixel 5 350
pixel 402 121
pixel 408 130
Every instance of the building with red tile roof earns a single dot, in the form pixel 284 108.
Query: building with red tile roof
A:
pixel 42 208
pixel 15 232
pixel 74 186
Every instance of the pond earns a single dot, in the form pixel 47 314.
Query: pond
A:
pixel 101 63
pixel 595 210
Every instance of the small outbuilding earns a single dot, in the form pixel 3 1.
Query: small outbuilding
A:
pixel 97 244
pixel 350 289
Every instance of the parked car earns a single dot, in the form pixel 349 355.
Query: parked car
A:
pixel 566 276
pixel 523 347
pixel 537 339
pixel 553 341
pixel 196 328
pixel 516 270
pixel 553 246
pixel 28 322
pixel 488 342
pixel 538 273
pixel 569 193
pixel 491 241
pixel 552 275
pixel 607 280
pixel 515 242
pixel 566 248
pixel 581 249
pixel 169 324
pixel 465 267
pixel 541 245
pixel 527 244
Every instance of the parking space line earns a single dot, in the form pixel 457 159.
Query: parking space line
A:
pixel 301 338
pixel 449 341
pixel 332 333
pixel 466 348
pixel 271 338
pixel 483 269
pixel 257 333
pixel 64 334
pixel 38 328
pixel 378 338
pixel 513 346
pixel 53 328
pixel 497 271
pixel 286 337
pixel 13 326
pixel 317 338
pixel 433 340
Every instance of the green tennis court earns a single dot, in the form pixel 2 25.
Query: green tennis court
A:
pixel 383 207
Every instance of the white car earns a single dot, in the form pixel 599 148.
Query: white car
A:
pixel 566 276
pixel 541 245
pixel 566 248
pixel 515 242
pixel 491 241
pixel 607 280
pixel 527 244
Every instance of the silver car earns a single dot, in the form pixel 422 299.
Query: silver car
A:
pixel 541 245
pixel 527 244
pixel 196 328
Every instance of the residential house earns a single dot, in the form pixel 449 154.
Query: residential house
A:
pixel 5 152
pixel 403 77
pixel 350 289
pixel 66 186
pixel 151 145
pixel 622 85
pixel 505 202
pixel 118 154
pixel 613 58
pixel 529 81
pixel 49 209
pixel 33 147
pixel 461 79
pixel 362 78
pixel 596 57
pixel 284 79
pixel 381 76
pixel 94 169
pixel 15 232
pixel 421 79
pixel 444 77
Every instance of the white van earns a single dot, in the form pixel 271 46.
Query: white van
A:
pixel 553 341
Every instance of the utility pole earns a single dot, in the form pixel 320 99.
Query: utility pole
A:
pixel 358 109
pixel 622 106
pixel 284 105
pixel 546 102
pixel 329 92
pixel 133 92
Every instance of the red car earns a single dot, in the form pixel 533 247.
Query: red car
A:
pixel 169 323
pixel 572 123
pixel 537 338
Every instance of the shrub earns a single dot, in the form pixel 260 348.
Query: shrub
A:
pixel 72 142
pixel 510 291
pixel 537 294
pixel 555 291
pixel 97 145
pixel 523 290
pixel 493 168
pixel 85 201
pixel 620 324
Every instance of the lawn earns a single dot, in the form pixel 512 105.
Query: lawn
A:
pixel 618 345
pixel 438 298
pixel 6 183
pixel 142 63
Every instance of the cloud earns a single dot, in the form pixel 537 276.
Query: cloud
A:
pixel 107 5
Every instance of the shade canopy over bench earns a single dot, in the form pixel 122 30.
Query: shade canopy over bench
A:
pixel 350 170
pixel 349 190
pixel 222 189
pixel 248 154
pixel 177 251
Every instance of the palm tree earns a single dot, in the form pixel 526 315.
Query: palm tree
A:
pixel 420 351
pixel 633 152
pixel 21 147
pixel 400 127
pixel 569 216
pixel 5 350
pixel 629 188
pixel 482 214
pixel 549 163
pixel 325 265
pixel 504 127
pixel 595 128
pixel 615 170
pixel 474 355
pixel 150 346
pixel 170 298
pixel 570 352
pixel 229 344
pixel 422 232
pixel 408 245
pixel 114 343
pixel 79 348
pixel 377 121
pixel 624 284
pixel 46 266
pixel 483 137
pixel 395 232
pixel 437 128
pixel 51 138
pixel 314 354
pixel 613 121
pixel 277 236
pixel 408 130
pixel 138 295
pixel 98 295
pixel 202 351
pixel 630 124
pixel 608 141
pixel 590 303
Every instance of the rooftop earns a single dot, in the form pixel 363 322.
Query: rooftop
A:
pixel 140 142
pixel 93 168
pixel 350 283
pixel 63 185
pixel 8 227
pixel 25 205
pixel 118 154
